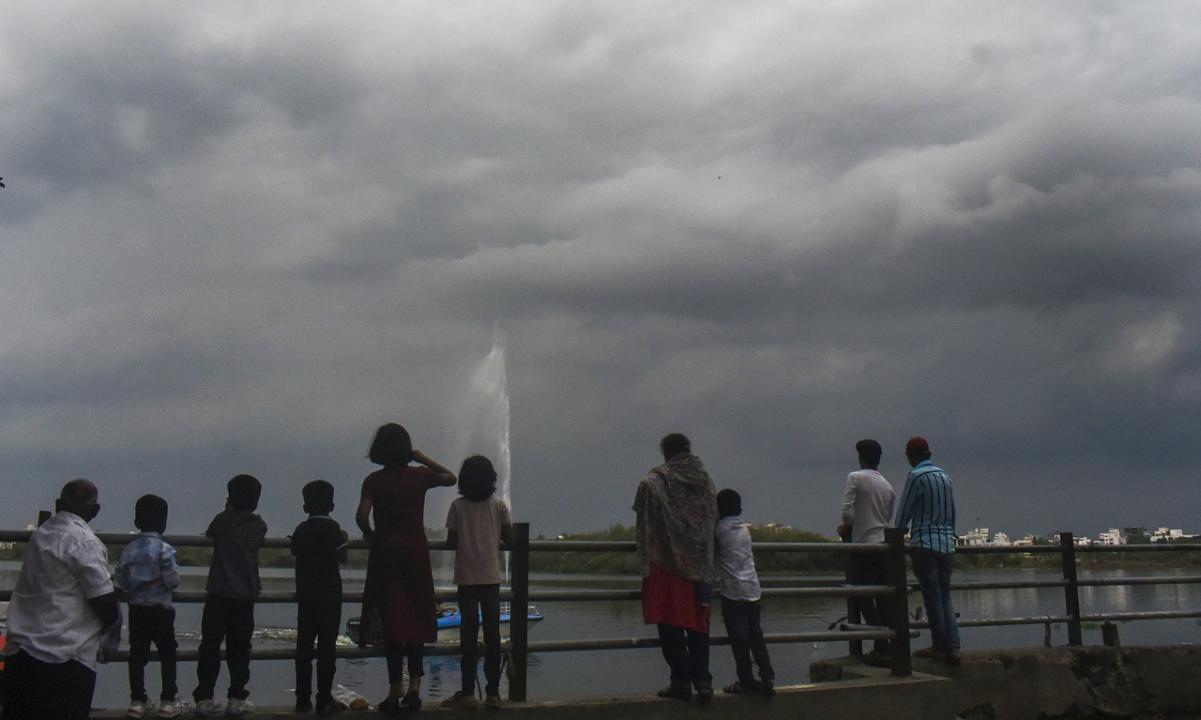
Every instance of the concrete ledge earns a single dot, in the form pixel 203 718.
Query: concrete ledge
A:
pixel 921 697
pixel 1041 683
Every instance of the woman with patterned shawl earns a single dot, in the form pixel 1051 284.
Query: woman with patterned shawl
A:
pixel 676 507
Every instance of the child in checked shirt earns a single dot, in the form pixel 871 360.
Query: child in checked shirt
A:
pixel 233 585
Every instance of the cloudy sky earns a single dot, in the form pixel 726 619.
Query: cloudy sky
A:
pixel 236 238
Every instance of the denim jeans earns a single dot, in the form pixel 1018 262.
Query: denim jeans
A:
pixel 476 602
pixel 687 654
pixel 743 620
pixel 933 571
pixel 866 569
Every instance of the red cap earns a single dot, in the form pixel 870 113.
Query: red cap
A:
pixel 917 445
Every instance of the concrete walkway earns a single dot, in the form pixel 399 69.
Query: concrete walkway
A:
pixel 921 697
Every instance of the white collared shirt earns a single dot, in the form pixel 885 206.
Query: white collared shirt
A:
pixel 48 616
pixel 867 506
pixel 736 561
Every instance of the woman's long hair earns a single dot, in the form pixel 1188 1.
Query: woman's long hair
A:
pixel 477 478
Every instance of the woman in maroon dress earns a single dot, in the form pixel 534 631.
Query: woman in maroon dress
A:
pixel 399 608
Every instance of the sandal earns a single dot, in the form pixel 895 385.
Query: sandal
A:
pixel 389 706
pixel 740 688
pixel 411 702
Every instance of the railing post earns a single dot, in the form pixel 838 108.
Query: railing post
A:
pixel 854 647
pixel 1071 590
pixel 519 629
pixel 898 605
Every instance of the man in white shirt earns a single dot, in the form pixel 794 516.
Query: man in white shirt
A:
pixel 866 511
pixel 60 606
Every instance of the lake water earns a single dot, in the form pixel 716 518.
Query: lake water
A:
pixel 579 674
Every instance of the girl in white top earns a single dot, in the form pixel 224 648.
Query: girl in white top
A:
pixel 475 526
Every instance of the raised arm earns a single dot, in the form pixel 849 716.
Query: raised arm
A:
pixel 445 477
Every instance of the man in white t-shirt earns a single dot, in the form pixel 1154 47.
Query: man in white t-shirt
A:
pixel 60 606
pixel 866 511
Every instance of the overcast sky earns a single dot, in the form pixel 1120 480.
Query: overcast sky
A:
pixel 237 238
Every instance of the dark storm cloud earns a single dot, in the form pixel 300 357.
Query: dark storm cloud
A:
pixel 237 239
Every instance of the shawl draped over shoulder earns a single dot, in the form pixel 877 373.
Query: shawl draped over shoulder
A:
pixel 676 510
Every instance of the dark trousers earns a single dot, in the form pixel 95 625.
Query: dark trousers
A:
pixel 232 621
pixel 317 619
pixel 744 626
pixel 933 571
pixel 478 602
pixel 151 624
pixel 396 653
pixel 687 654
pixel 871 569
pixel 34 690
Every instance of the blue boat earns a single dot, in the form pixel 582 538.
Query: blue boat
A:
pixel 450 619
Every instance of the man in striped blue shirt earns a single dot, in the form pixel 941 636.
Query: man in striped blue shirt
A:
pixel 927 508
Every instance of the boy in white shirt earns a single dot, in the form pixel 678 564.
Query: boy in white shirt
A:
pixel 740 594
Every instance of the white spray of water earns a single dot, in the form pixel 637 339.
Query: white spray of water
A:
pixel 481 419
pixel 488 405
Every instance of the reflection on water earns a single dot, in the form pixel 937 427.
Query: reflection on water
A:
pixel 625 671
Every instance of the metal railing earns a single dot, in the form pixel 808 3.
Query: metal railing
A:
pixel 899 630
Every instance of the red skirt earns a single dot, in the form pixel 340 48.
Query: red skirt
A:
pixel 671 600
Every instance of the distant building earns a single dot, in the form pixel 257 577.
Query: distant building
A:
pixel 1135 534
pixel 973 538
pixel 1082 541
pixel 1112 537
pixel 1024 541
pixel 1000 538
pixel 1164 534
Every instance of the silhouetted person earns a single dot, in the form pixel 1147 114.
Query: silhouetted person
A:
pixel 399 606
pixel 146 576
pixel 233 585
pixel 62 602
pixel 867 507
pixel 319 545
pixel 927 508
pixel 676 509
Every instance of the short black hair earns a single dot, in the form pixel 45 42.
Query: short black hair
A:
pixel 318 496
pixel 244 491
pixel 674 444
pixel 477 478
pixel 150 514
pixel 869 452
pixel 729 503
pixel 391 447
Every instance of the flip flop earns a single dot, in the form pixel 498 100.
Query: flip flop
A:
pixel 740 688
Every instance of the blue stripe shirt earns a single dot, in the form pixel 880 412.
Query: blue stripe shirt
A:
pixel 927 508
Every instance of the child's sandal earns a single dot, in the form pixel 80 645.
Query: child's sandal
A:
pixel 740 688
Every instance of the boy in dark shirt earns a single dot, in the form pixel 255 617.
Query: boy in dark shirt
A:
pixel 319 545
pixel 233 585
